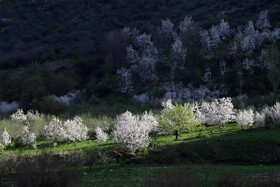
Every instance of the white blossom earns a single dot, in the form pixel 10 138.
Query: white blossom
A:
pixel 132 55
pixel 19 117
pixel 215 36
pixel 167 104
pixel 149 121
pixel 26 136
pixel 178 51
pixel 266 110
pixel 33 115
pixel 132 33
pixel 234 50
pixel 167 26
pixel 6 139
pixel 185 24
pixel 249 43
pixel 144 41
pixel 101 136
pixel 224 29
pixel 248 65
pixel 260 119
pixel 146 67
pixel 66 99
pixel 207 44
pixel 263 22
pixel 54 130
pixel 6 107
pixel 132 131
pixel 126 80
pixel 245 118
pixel 275 113
pixel 75 130
pixel 143 98
pixel 219 111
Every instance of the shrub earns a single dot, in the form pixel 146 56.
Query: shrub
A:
pixel 245 118
pixel 260 119
pixel 275 113
pixel 66 99
pixel 133 131
pixel 26 136
pixel 6 139
pixel 54 130
pixel 100 135
pixel 19 117
pixel 218 112
pixel 74 130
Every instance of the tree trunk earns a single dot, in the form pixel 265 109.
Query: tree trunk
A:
pixel 176 133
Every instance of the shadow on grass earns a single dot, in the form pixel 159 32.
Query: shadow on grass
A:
pixel 250 146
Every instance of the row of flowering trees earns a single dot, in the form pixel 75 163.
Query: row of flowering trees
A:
pixel 134 131
pixel 71 130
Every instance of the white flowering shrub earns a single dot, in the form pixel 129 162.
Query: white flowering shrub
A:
pixel 167 26
pixel 133 131
pixel 33 115
pixel 260 119
pixel 178 53
pixel 263 22
pixel 218 112
pixel 143 98
pixel 224 29
pixel 66 99
pixel 125 77
pixel 6 107
pixel 132 33
pixel 249 43
pixel 207 44
pixel 19 117
pixel 185 24
pixel 177 93
pixel 248 65
pixel 245 118
pixel 267 111
pixel 5 139
pixel 211 39
pixel 54 130
pixel 167 104
pixel 26 136
pixel 275 112
pixel 74 130
pixel 101 136
pixel 149 121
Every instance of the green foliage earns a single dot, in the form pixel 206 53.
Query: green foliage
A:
pixel 176 120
